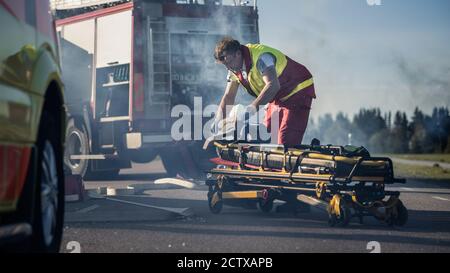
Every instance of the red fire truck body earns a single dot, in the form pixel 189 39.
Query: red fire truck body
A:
pixel 127 64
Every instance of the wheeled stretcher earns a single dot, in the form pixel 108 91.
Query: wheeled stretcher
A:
pixel 345 180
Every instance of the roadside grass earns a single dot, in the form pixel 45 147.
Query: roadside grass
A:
pixel 421 172
pixel 445 158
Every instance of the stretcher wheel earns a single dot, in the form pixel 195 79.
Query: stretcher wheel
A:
pixel 340 221
pixel 215 201
pixel 397 215
pixel 321 191
pixel 265 205
pixel 338 212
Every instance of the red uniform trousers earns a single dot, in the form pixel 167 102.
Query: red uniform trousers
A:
pixel 293 117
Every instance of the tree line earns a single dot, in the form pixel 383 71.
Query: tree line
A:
pixel 384 132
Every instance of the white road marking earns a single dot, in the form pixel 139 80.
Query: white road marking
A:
pixel 440 198
pixel 406 189
pixel 313 202
pixel 176 181
pixel 87 209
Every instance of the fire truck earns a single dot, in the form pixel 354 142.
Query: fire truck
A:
pixel 127 64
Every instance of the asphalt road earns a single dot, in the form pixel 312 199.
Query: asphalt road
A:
pixel 111 225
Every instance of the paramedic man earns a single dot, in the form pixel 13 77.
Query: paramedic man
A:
pixel 271 77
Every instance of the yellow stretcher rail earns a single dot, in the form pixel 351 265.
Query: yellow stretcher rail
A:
pixel 296 177
pixel 296 152
pixel 242 194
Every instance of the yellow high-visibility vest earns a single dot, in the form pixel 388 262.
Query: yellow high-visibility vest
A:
pixel 255 78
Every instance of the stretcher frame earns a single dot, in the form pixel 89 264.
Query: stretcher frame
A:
pixel 344 197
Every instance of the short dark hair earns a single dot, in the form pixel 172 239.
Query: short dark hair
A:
pixel 227 44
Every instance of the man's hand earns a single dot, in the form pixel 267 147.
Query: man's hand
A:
pixel 271 88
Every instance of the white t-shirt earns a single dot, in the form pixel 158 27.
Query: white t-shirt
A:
pixel 265 61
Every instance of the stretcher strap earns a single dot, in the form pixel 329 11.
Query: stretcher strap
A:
pixel 290 162
pixel 297 163
pixel 242 157
pixel 264 160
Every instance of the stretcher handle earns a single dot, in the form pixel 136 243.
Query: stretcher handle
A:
pixel 354 169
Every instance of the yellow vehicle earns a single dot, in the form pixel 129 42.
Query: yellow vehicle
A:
pixel 32 126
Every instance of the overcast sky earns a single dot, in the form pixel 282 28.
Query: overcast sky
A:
pixel 394 56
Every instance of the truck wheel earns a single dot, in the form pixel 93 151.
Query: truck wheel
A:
pixel 77 143
pixel 49 191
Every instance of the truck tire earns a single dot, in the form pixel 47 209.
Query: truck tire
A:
pixel 77 143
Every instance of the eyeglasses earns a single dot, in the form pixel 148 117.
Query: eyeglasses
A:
pixel 222 57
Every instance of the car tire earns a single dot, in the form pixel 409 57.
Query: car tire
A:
pixel 48 209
